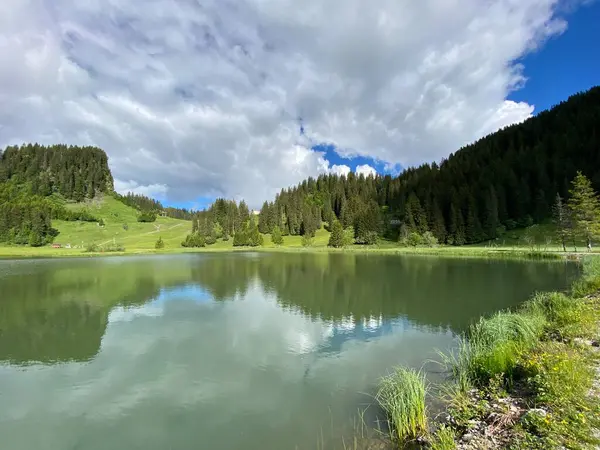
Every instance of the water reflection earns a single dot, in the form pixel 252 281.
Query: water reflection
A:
pixel 225 351
pixel 54 311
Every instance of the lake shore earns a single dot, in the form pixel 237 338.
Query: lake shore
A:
pixel 9 252
pixel 529 378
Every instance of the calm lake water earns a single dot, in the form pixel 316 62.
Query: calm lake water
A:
pixel 227 351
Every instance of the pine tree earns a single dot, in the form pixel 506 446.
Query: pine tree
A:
pixel 160 244
pixel 336 239
pixel 585 205
pixel 490 224
pixel 276 236
pixel 263 218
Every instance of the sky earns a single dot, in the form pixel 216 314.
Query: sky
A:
pixel 197 99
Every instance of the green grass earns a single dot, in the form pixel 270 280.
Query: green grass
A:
pixel 402 396
pixel 443 439
pixel 137 236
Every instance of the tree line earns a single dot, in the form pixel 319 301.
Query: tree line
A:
pixel 150 207
pixel 507 180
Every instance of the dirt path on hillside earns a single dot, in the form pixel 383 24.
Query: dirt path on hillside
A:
pixel 142 234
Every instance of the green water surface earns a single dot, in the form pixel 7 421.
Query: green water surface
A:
pixel 227 351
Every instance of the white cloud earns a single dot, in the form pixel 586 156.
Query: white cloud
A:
pixel 365 170
pixel 157 191
pixel 205 97
pixel 340 169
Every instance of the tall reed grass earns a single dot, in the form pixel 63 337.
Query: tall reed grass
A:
pixel 402 396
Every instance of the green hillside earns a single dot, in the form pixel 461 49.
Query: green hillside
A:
pixel 120 227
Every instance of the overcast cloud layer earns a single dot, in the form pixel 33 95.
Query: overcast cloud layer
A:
pixel 198 98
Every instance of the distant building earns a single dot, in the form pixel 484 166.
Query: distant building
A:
pixel 255 212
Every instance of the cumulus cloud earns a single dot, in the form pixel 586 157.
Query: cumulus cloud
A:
pixel 206 97
pixel 365 170
pixel 341 169
pixel 157 191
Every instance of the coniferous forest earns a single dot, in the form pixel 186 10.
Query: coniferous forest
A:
pixel 510 179
pixel 33 177
pixel 507 180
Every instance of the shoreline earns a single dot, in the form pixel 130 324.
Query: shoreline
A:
pixel 442 251
pixel 523 378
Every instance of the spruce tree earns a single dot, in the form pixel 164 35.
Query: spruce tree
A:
pixel 276 236
pixel 336 239
pixel 585 205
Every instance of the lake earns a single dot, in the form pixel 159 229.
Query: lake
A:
pixel 251 351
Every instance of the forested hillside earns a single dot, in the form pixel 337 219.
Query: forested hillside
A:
pixel 506 180
pixel 34 182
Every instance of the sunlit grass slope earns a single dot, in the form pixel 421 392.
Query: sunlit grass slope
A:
pixel 120 225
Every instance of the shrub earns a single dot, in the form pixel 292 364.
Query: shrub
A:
pixel 414 239
pixel 402 397
pixel 92 248
pixel 307 240
pixel 429 239
pixel 194 240
pixel 160 244
pixel 146 217
pixel 348 236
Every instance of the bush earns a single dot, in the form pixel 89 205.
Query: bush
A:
pixel 348 236
pixel 92 248
pixel 125 227
pixel 194 240
pixel 429 239
pixel 307 240
pixel 160 244
pixel 414 239
pixel 225 237
pixel 146 217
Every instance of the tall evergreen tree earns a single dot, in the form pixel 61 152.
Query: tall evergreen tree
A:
pixel 585 205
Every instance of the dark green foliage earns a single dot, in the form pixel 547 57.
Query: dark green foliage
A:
pixel 75 172
pixel 240 238
pixel 149 205
pixel 276 236
pixel 25 219
pixel 160 244
pixel 194 240
pixel 146 217
pixel 336 239
pixel 31 179
pixel 255 239
pixel 585 205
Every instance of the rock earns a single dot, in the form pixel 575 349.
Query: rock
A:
pixel 596 343
pixel 467 437
pixel 583 342
pixel 537 412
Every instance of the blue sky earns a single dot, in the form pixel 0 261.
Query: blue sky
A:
pixel 567 64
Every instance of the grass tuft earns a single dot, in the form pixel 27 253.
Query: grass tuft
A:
pixel 402 396
pixel 443 439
